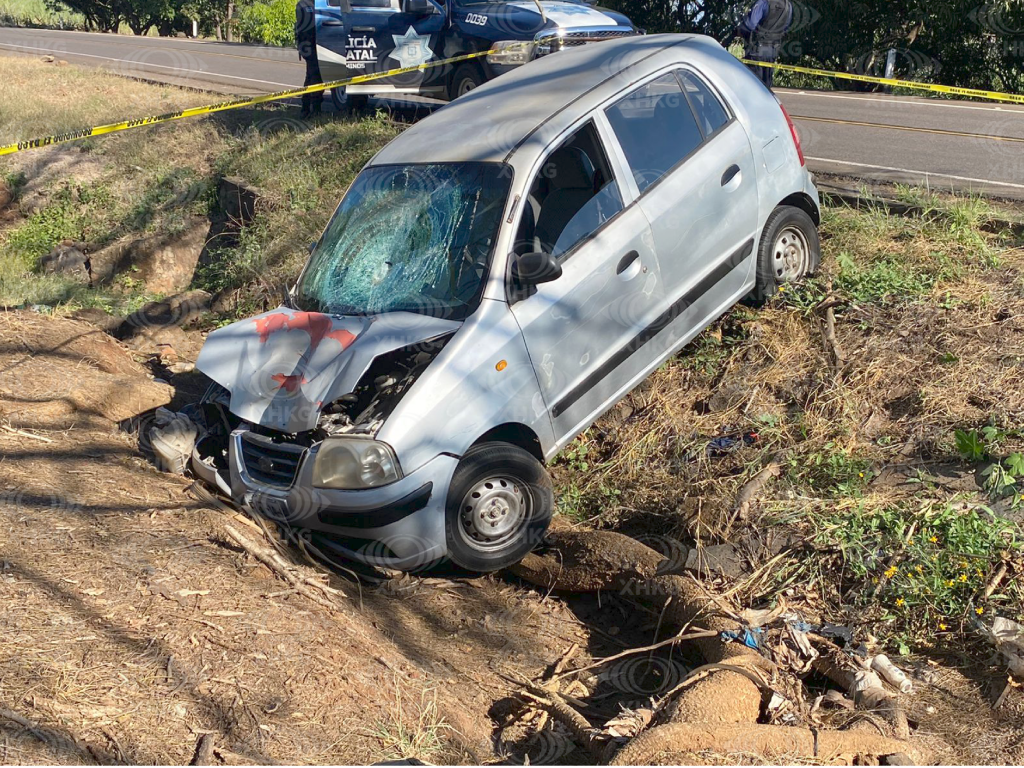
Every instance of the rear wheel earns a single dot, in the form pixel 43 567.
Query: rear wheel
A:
pixel 789 251
pixel 466 77
pixel 349 104
pixel 499 504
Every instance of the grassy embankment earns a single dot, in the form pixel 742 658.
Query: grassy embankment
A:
pixel 901 468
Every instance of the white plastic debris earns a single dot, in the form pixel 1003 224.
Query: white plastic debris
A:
pixel 1008 637
pixel 173 443
pixel 891 673
pixel 865 679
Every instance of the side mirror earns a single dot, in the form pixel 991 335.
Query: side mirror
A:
pixel 417 7
pixel 536 268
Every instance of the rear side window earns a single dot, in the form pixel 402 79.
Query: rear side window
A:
pixel 656 129
pixel 709 110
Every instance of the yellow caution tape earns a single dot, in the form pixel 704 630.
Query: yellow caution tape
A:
pixel 139 122
pixel 1015 98
pixel 125 125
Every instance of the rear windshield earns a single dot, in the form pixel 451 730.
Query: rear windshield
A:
pixel 416 238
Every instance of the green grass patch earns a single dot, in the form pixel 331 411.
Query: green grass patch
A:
pixel 921 568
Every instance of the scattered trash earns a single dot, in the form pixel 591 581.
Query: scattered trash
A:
pixel 837 632
pixel 749 637
pixel 1008 638
pixel 719 446
pixel 891 673
pixel 864 680
pixel 173 439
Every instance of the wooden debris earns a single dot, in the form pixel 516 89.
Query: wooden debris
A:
pixel 301 585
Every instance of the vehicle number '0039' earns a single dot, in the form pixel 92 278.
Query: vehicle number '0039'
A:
pixel 476 18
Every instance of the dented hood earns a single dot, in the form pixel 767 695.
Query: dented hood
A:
pixel 283 366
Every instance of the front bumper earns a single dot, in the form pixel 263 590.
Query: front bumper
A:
pixel 400 525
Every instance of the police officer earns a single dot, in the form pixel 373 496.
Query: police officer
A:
pixel 305 41
pixel 762 30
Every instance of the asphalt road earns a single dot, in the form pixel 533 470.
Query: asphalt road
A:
pixel 948 145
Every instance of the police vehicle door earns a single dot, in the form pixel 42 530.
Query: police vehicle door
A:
pixel 380 35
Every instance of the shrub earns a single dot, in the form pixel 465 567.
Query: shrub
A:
pixel 271 23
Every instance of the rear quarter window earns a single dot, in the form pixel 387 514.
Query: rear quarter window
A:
pixel 710 112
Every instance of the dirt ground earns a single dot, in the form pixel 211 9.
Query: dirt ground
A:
pixel 134 625
pixel 141 622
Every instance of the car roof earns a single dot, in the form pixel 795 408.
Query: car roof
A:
pixel 489 122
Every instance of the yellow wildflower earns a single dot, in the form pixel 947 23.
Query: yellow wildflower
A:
pixel 979 611
pixel 942 625
pixel 934 539
pixel 949 582
pixel 891 571
pixel 963 577
pixel 900 602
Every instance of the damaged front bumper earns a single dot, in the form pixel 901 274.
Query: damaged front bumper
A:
pixel 399 525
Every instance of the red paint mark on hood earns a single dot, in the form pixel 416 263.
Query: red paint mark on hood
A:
pixel 289 383
pixel 316 324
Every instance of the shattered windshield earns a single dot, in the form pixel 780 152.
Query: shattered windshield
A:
pixel 416 238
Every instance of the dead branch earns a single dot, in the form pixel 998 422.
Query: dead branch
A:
pixel 750 490
pixel 279 567
pixel 994 581
pixel 635 651
pixel 836 354
pixel 204 750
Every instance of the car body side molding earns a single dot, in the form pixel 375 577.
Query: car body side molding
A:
pixel 660 323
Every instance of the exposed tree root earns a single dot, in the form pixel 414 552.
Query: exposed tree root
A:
pixel 718 710
pixel 790 744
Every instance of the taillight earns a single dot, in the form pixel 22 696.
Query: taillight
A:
pixel 794 134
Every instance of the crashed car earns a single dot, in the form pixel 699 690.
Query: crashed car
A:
pixel 494 280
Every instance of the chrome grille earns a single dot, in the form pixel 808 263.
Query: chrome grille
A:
pixel 572 38
pixel 270 463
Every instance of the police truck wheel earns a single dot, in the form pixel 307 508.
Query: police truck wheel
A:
pixel 467 76
pixel 499 505
pixel 789 251
pixel 349 104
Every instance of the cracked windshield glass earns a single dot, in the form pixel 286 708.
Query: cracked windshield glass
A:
pixel 416 238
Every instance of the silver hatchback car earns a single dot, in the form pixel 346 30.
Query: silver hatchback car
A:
pixel 494 280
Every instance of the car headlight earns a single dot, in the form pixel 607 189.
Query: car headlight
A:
pixel 511 53
pixel 351 463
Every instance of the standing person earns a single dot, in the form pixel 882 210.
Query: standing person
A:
pixel 762 30
pixel 305 41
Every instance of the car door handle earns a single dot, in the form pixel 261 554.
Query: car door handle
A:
pixel 626 262
pixel 333 23
pixel 730 173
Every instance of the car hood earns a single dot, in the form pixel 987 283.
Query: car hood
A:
pixel 283 366
pixel 563 14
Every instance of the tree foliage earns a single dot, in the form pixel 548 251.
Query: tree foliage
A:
pixel 974 43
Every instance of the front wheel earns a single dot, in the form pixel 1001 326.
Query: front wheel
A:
pixel 789 251
pixel 466 77
pixel 499 504
pixel 349 104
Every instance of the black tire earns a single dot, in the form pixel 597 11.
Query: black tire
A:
pixel 508 476
pixel 778 259
pixel 347 104
pixel 466 77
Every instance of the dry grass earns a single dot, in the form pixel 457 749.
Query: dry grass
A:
pixel 42 98
pixel 929 318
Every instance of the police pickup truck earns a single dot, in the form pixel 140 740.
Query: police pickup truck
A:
pixel 360 37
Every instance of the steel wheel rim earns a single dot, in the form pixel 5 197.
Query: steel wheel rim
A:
pixel 493 513
pixel 466 86
pixel 790 255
